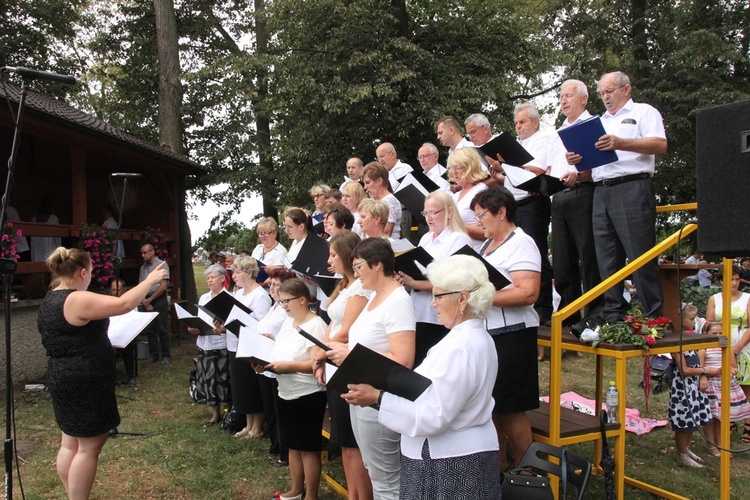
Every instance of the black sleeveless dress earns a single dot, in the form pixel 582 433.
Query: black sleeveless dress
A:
pixel 80 372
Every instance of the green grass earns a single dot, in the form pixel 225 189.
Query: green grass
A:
pixel 178 458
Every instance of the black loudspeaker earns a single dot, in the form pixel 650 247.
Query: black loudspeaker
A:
pixel 723 159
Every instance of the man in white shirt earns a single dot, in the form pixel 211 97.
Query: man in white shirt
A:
pixel 387 157
pixel 624 213
pixel 533 209
pixel 575 267
pixel 449 134
pixel 428 158
pixel 354 168
pixel 694 259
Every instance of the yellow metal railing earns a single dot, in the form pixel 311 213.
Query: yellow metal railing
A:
pixel 555 382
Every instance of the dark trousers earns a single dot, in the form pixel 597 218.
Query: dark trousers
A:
pixel 533 216
pixel 158 330
pixel 128 358
pixel 269 387
pixel 624 221
pixel 574 255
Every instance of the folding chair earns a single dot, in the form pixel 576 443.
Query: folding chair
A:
pixel 577 470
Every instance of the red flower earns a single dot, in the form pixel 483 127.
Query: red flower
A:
pixel 651 341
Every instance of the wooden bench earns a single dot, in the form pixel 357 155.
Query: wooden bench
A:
pixel 573 424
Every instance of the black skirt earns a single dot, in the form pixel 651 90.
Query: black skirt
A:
pixel 246 397
pixel 301 421
pixel 517 383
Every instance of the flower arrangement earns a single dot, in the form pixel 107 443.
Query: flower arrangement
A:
pixel 158 239
pixel 8 243
pixel 99 242
pixel 632 330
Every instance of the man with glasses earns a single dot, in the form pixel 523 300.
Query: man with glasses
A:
pixel 428 156
pixel 624 212
pixel 156 301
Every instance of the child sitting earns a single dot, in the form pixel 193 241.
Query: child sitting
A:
pixel 688 406
pixel 739 408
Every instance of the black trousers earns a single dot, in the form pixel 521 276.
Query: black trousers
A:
pixel 573 251
pixel 533 216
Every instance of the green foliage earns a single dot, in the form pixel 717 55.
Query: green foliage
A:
pixel 697 296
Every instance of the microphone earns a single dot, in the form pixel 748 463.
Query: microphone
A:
pixel 33 74
pixel 126 175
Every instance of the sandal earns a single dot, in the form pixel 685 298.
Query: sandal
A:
pixel 713 450
pixel 746 433
pixel 684 460
pixel 210 423
pixel 695 457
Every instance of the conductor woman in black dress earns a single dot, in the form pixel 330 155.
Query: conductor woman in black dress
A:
pixel 73 324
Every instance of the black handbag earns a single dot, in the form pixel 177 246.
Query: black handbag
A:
pixel 521 484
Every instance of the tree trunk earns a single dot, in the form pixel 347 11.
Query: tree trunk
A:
pixel 640 41
pixel 170 126
pixel 262 121
pixel 170 88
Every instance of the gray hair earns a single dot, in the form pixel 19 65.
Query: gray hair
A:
pixel 215 267
pixel 532 110
pixel 247 265
pixel 619 77
pixel 580 87
pixel 463 273
pixel 479 120
pixel 431 147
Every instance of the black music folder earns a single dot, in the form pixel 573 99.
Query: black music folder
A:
pixel 409 263
pixel 365 366
pixel 543 184
pixel 220 306
pixel 498 280
pixel 580 138
pixel 508 147
pixel 312 261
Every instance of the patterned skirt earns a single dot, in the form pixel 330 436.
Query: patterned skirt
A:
pixel 466 477
pixel 212 377
pixel 739 408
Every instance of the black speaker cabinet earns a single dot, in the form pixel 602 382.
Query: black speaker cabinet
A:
pixel 723 159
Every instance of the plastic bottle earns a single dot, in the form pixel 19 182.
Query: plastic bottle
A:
pixel 612 398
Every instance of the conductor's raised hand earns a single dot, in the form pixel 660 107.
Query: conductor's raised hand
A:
pixel 157 275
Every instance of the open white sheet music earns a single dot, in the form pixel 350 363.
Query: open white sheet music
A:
pixel 400 246
pixel 409 180
pixel 517 175
pixel 125 327
pixel 253 343
pixel 330 370
pixel 243 317
pixel 183 313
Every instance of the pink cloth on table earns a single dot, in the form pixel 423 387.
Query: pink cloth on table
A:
pixel 633 421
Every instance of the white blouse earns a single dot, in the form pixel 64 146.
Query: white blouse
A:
pixel 464 209
pixel 454 414
pixel 291 346
pixel 210 342
pixel 274 257
pixel 372 327
pixel 337 308
pixel 258 301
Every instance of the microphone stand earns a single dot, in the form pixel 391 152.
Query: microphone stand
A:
pixel 7 269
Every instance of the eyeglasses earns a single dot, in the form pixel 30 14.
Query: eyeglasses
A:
pixel 263 235
pixel 273 284
pixel 285 302
pixel 359 264
pixel 480 216
pixel 456 168
pixel 431 213
pixel 436 296
pixel 422 157
pixel 604 92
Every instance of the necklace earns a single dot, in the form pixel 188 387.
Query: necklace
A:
pixel 265 252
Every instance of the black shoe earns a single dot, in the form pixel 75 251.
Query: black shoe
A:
pixel 280 463
pixel 151 360
pixel 131 382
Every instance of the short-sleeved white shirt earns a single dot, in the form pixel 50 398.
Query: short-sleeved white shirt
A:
pixel 337 308
pixel 394 214
pixel 274 257
pixel 537 146
pixel 291 346
pixel 258 301
pixel 518 253
pixel 446 243
pixel 371 328
pixel 633 121
pixel 465 211
pixel 210 342
pixel 556 153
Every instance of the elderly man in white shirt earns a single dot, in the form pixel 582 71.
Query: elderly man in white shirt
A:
pixel 397 169
pixel 624 215
pixel 428 156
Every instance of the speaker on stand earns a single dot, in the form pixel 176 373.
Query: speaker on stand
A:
pixel 723 161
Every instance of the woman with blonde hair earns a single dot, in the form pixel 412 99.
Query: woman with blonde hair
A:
pixel 373 218
pixel 318 193
pixel 73 324
pixel 270 252
pixel 446 235
pixel 352 194
pixel 465 169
